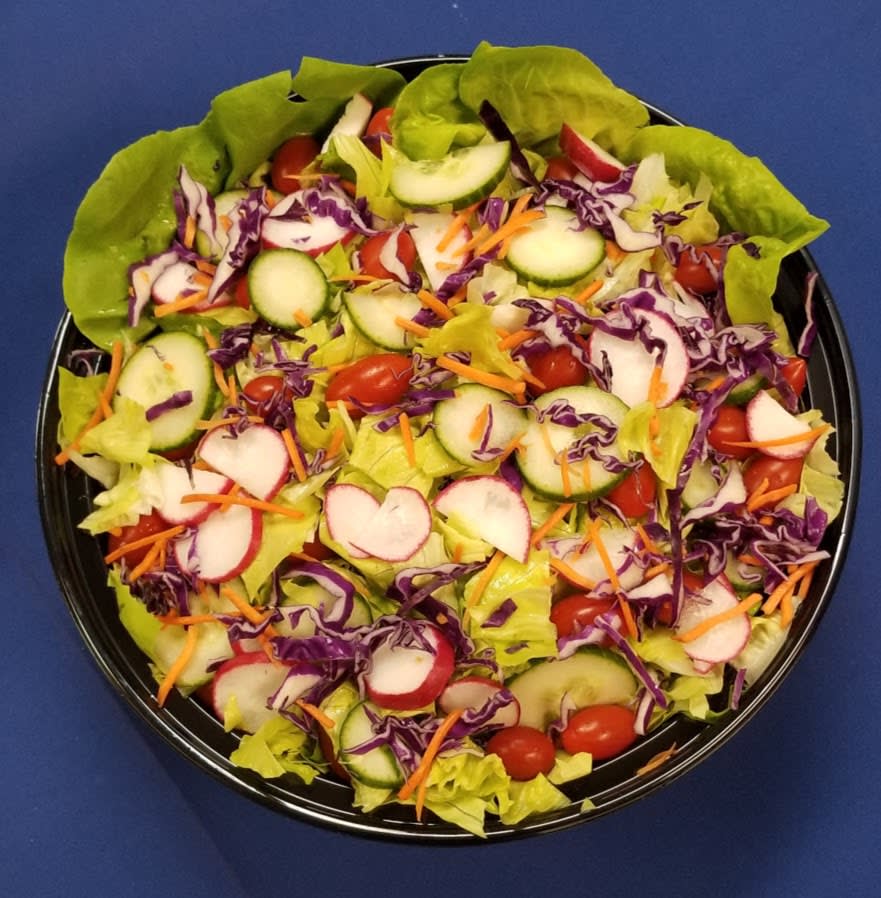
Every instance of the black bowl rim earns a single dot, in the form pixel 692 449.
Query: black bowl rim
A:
pixel 175 723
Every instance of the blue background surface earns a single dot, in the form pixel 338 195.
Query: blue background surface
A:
pixel 91 801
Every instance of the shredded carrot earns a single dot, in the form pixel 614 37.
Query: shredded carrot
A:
pixel 225 422
pixel 654 762
pixel 328 723
pixel 178 667
pixel 565 478
pixel 203 278
pixel 225 499
pixel 787 608
pixel 597 540
pixel 742 607
pixel 337 439
pixel 249 612
pixel 487 574
pixel 530 378
pixel 184 620
pixel 771 497
pixel 476 239
pixel 746 558
pixel 784 441
pixel 517 221
pixel 456 225
pixel 512 341
pixel 479 424
pixel 554 518
pixel 189 232
pixel 231 387
pixel 663 567
pixel 458 296
pixel 512 446
pixel 715 383
pixel 627 614
pixel 584 295
pixel 431 750
pixel 103 403
pixel 657 387
pixel 180 304
pixel 648 543
pixel 124 549
pixel 758 491
pixel 405 324
pixel 614 252
pixel 805 584
pixel 546 439
pixel 294 454
pixel 571 574
pixel 430 301
pixel 787 586
pixel 469 372
pixel 458 552
pixel 147 562
pixel 407 436
pixel 302 318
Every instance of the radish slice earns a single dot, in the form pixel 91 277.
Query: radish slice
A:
pixel 176 482
pixel 252 679
pixel 257 458
pixel 427 231
pixel 589 157
pixel 223 545
pixel 183 279
pixel 405 678
pixel 473 693
pixel 489 508
pixel 587 563
pixel 346 508
pixel 726 639
pixel 767 421
pixel 632 365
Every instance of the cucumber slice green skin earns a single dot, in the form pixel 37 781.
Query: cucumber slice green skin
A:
pixel 377 767
pixel 554 251
pixel 454 420
pixel 285 285
pixel 591 676
pixel 170 363
pixel 539 466
pixel 744 391
pixel 700 486
pixel 374 312
pixel 459 178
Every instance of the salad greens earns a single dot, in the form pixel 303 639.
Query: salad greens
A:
pixel 331 564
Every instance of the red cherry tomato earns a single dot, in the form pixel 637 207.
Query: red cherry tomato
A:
pixel 779 472
pixel 373 246
pixel 694 275
pixel 635 494
pixel 263 387
pixel 241 296
pixel 556 368
pixel 376 380
pixel 728 428
pixel 290 159
pixel 317 550
pixel 525 751
pixel 573 613
pixel 602 730
pixel 560 169
pixel 795 373
pixel 146 525
pixel 380 122
pixel 326 746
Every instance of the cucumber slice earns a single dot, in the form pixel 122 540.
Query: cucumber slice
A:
pixel 170 363
pixel 377 767
pixel 287 287
pixel 746 389
pixel 212 646
pixel 543 444
pixel 374 312
pixel 224 205
pixel 592 676
pixel 454 421
pixel 556 250
pixel 700 486
pixel 459 178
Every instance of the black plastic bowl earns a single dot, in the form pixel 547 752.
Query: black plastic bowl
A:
pixel 65 496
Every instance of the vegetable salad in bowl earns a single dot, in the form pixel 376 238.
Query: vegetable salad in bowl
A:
pixel 446 440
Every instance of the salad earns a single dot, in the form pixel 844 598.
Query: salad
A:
pixel 447 438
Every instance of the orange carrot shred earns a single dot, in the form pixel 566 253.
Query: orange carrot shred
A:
pixel 178 667
pixel 512 341
pixel 656 760
pixel 294 454
pixel 180 304
pixel 571 574
pixel 812 434
pixel 469 372
pixel 407 435
pixel 124 549
pixel 431 750
pixel 405 324
pixel 742 607
pixel 328 723
pixel 225 499
pixel 553 519
pixel 479 424
pixel 430 301
pixel 487 574
pixel 593 287
pixel 771 497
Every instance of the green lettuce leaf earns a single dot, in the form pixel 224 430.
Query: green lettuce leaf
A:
pixel 142 626
pixel 383 458
pixel 278 747
pixel 77 401
pixel 665 451
pixel 136 492
pixel 123 437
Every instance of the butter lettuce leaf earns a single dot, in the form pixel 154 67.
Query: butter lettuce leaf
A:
pixel 278 747
pixel 664 451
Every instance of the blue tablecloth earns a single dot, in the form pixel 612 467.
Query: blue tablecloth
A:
pixel 93 803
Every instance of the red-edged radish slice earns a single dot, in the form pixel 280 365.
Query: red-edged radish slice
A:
pixel 427 231
pixel 632 365
pixel 472 694
pixel 256 459
pixel 589 157
pixel 587 562
pixel 489 508
pixel 726 639
pixel 399 527
pixel 312 236
pixel 176 482
pixel 300 679
pixel 353 121
pixel 405 678
pixel 223 545
pixel 346 508
pixel 767 421
pixel 252 679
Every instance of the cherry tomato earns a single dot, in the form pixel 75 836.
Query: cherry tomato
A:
pixel 556 368
pixel 779 472
pixel 317 550
pixel 380 122
pixel 525 751
pixel 728 428
pixel 376 380
pixel 241 296
pixel 573 613
pixel 373 246
pixel 635 494
pixel 326 746
pixel 146 525
pixel 290 159
pixel 560 169
pixel 795 373
pixel 263 387
pixel 602 730
pixel 694 275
